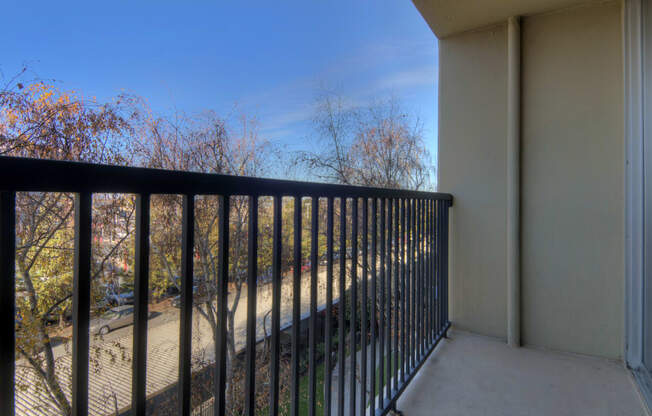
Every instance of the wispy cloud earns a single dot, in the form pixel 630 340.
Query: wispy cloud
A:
pixel 409 78
pixel 378 69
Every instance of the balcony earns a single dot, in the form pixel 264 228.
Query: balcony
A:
pixel 469 374
pixel 296 343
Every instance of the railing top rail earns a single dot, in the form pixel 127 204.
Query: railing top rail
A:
pixel 38 175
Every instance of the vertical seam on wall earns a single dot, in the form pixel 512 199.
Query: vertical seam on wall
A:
pixel 513 181
pixel 633 38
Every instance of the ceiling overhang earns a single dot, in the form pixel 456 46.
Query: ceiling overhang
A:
pixel 448 17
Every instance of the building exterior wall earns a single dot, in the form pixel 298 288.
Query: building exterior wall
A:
pixel 572 195
pixel 572 173
pixel 472 166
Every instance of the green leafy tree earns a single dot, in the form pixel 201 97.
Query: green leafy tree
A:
pixel 206 144
pixel 38 120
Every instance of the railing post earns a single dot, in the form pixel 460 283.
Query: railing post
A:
pixel 276 305
pixel 404 297
pixel 388 386
pixel 7 301
pixel 252 289
pixel 141 294
pixel 433 256
pixel 381 331
pixel 419 279
pixel 364 310
pixel 374 308
pixel 185 345
pixel 413 277
pixel 312 331
pixel 397 293
pixel 329 308
pixel 354 289
pixel 440 274
pixel 445 265
pixel 296 308
pixel 219 394
pixel 81 302
pixel 341 308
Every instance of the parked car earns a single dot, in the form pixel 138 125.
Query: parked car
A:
pixel 174 288
pixel 265 277
pixel 118 299
pixel 53 317
pixel 114 318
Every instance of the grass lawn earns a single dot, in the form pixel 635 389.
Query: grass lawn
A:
pixel 386 371
pixel 304 394
pixel 304 384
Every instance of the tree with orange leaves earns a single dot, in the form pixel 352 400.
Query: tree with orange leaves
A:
pixel 40 121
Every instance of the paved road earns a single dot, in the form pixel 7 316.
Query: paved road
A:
pixel 110 366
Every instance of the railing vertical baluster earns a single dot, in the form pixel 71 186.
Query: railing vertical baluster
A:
pixel 440 263
pixel 364 311
pixel 329 309
pixel 426 287
pixel 341 308
pixel 312 332
pixel 276 306
pixel 404 298
pixel 433 279
pixel 397 292
pixel 81 302
pixel 374 310
pixel 420 274
pixel 445 260
pixel 417 281
pixel 430 274
pixel 252 289
pixel 7 301
pixel 408 286
pixel 388 339
pixel 443 272
pixel 426 276
pixel 381 329
pixel 438 267
pixel 433 219
pixel 141 292
pixel 296 307
pixel 185 346
pixel 222 297
pixel 354 303
pixel 413 246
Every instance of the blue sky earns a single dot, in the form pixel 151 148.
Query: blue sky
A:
pixel 266 59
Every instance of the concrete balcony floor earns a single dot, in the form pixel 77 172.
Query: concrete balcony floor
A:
pixel 473 375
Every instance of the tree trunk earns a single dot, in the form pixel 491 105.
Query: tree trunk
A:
pixel 44 342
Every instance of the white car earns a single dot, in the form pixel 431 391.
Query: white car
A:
pixel 114 318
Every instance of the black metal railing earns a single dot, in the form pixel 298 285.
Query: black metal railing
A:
pixel 398 256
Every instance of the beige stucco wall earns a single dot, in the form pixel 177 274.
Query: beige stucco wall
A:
pixel 572 178
pixel 472 129
pixel 572 165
